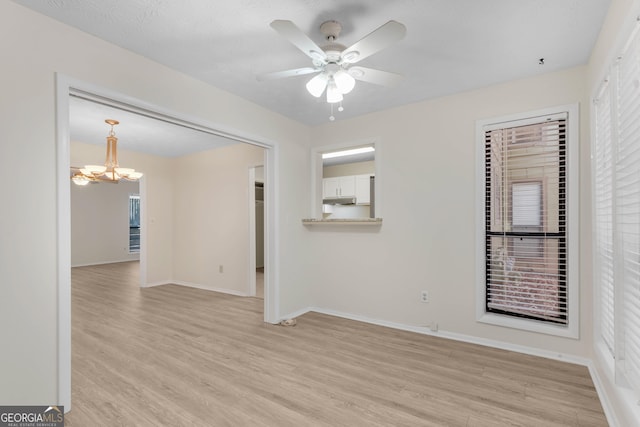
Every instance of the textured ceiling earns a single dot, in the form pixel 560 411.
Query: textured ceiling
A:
pixel 451 46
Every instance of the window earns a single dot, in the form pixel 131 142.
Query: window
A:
pixel 134 223
pixel 524 205
pixel 616 198
pixel 603 214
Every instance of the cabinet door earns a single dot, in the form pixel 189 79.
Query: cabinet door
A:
pixel 363 195
pixel 330 187
pixel 347 186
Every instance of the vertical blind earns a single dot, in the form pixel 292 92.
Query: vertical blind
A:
pixel 525 220
pixel 603 214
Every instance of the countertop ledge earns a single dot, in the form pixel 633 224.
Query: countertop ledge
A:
pixel 342 221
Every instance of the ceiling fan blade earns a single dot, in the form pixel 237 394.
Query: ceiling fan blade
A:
pixel 378 77
pixel 375 41
pixel 291 32
pixel 286 73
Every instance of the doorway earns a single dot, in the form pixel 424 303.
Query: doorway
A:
pixel 65 87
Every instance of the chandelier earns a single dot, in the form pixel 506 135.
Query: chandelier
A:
pixel 111 171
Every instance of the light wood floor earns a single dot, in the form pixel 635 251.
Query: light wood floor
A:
pixel 175 356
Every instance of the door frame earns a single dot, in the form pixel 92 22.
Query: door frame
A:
pixel 65 86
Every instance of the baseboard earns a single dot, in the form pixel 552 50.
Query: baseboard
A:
pixel 458 337
pixel 210 288
pixel 105 262
pixel 297 313
pixel 159 283
pixel 605 400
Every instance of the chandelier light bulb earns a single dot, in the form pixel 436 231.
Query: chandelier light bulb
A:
pixel 344 81
pixel 316 85
pixel 79 179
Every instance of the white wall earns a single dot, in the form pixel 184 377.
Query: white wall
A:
pixel 427 239
pixel 28 224
pixel 211 217
pixel 100 223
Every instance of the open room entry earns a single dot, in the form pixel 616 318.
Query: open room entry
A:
pixel 155 257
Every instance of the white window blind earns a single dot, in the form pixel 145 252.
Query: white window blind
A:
pixel 527 204
pixel 603 214
pixel 525 220
pixel 627 204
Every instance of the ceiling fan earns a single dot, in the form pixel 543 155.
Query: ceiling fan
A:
pixel 334 63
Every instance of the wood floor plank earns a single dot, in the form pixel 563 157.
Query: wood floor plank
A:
pixel 177 356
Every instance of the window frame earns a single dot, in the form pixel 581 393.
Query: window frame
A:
pixel 572 328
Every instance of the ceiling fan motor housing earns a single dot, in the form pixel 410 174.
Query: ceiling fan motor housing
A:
pixel 331 29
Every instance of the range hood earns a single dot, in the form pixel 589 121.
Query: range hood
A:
pixel 339 201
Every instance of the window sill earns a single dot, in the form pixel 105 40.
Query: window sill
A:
pixel 342 221
pixel 528 325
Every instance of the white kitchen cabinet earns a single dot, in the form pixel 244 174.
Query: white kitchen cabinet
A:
pixel 363 189
pixel 340 186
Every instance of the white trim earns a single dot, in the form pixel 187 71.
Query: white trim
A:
pixel 142 191
pixel 607 370
pixel 569 358
pixel 208 288
pixel 271 235
pixel 104 263
pixel 64 242
pixel 65 85
pixel 158 283
pixel 298 313
pixel 620 404
pixel 572 329
pixel 523 119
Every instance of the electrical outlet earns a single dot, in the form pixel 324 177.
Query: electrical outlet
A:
pixel 424 296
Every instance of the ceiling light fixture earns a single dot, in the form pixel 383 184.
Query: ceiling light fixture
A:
pixel 337 83
pixel 336 80
pixel 350 152
pixel 111 171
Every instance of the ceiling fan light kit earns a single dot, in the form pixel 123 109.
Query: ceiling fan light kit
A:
pixel 111 171
pixel 333 62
